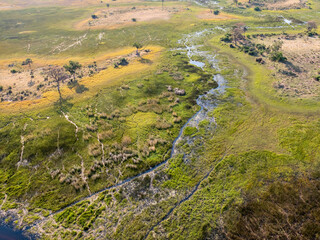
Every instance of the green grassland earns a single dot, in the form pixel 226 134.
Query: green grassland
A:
pixel 261 143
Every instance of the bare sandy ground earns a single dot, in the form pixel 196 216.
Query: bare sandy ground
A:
pixel 287 4
pixel 280 4
pixel 303 54
pixel 124 16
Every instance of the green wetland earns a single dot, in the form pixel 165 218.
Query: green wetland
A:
pixel 199 121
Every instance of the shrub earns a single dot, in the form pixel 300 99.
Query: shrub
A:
pixel 277 57
pixel 311 34
pixel 163 124
pixel 94 150
pixel 123 62
pixel 216 12
pixel 94 16
pixel 13 71
pixel 188 131
pixel 257 9
pixel 134 19
pixel 106 135
pixel 1 88
pixel 226 38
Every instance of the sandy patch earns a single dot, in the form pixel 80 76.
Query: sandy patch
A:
pixel 296 77
pixel 124 16
pixel 288 4
pixel 276 4
pixel 10 4
pixel 208 15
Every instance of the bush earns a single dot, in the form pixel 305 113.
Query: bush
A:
pixel 277 57
pixel 216 12
pixel 317 78
pixel 253 52
pixel 13 71
pixel 257 9
pixel 126 140
pixel 134 19
pixel 226 38
pixel 311 34
pixel 94 16
pixel 1 88
pixel 261 47
pixel 123 62
pixel 188 131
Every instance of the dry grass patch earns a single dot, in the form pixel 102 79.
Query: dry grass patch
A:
pixel 106 77
pixel 125 16
pixel 18 4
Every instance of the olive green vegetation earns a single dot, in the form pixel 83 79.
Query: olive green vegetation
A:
pixel 242 165
pixel 288 148
pixel 261 144
pixel 50 32
pixel 134 119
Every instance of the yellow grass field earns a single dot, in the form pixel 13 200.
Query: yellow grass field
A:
pixel 105 78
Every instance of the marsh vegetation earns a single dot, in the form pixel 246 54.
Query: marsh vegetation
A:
pixel 160 120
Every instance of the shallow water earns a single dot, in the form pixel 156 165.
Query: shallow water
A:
pixel 7 233
pixel 207 101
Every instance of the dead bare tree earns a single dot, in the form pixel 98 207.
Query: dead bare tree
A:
pixel 236 34
pixel 311 25
pixel 58 75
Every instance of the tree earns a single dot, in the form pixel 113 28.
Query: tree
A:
pixel 137 46
pixel 72 68
pixel 28 61
pixel 58 75
pixel 311 25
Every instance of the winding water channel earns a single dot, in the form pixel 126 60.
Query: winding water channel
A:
pixel 192 44
pixel 206 102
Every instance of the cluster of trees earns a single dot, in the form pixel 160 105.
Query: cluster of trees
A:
pixel 237 35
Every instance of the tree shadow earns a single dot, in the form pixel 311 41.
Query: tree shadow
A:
pixel 290 66
pixel 63 104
